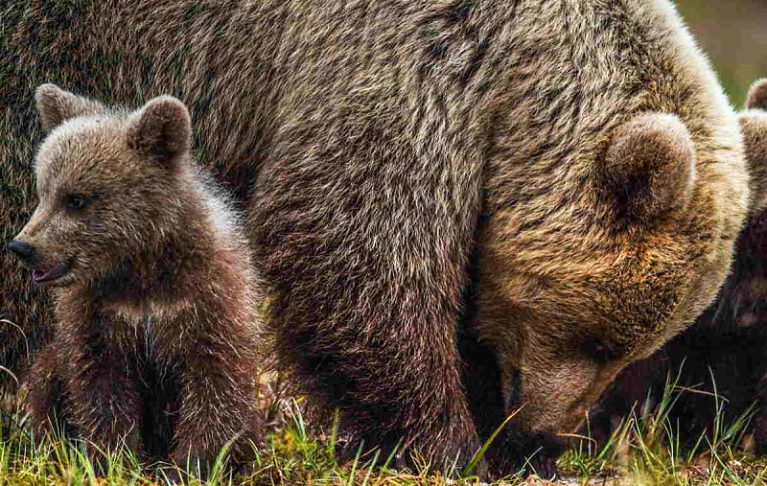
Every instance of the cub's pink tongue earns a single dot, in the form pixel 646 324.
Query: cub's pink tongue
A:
pixel 41 276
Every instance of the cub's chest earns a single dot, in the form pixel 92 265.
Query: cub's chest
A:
pixel 147 333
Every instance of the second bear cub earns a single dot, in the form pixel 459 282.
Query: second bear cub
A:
pixel 157 340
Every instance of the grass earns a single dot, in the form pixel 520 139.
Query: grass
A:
pixel 644 450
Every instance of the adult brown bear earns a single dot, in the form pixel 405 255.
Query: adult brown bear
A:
pixel 580 152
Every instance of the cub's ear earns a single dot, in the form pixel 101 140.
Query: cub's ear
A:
pixel 757 96
pixel 161 130
pixel 650 168
pixel 753 124
pixel 57 106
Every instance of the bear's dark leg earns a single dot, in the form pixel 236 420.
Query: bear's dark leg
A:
pixel 46 401
pixel 366 244
pixel 760 420
pixel 106 406
pixel 218 404
pixel 481 379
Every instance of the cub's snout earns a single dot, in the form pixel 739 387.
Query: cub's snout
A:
pixel 23 250
pixel 45 271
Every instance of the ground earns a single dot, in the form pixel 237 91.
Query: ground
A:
pixel 642 451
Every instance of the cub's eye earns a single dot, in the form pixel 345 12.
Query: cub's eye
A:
pixel 76 202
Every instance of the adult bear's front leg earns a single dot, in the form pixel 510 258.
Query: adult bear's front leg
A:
pixel 365 237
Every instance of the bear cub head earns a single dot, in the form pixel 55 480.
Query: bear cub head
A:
pixel 108 182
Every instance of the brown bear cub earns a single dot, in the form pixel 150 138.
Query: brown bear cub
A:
pixel 156 346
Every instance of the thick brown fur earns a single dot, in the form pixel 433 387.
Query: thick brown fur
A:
pixel 156 344
pixel 381 146
pixel 753 123
pixel 718 367
pixel 720 363
pixel 574 282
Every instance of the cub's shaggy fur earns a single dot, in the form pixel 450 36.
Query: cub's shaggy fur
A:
pixel 720 363
pixel 156 341
pixel 418 169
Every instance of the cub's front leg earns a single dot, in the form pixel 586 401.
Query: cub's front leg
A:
pixel 47 400
pixel 100 381
pixel 218 401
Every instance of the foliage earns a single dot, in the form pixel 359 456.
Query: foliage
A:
pixel 644 450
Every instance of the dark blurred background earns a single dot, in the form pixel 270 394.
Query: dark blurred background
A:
pixel 734 35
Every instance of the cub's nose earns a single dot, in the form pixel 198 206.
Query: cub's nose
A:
pixel 22 249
